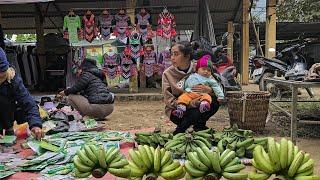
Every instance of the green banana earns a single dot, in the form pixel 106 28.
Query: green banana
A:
pixel 112 155
pixel 273 154
pixel 119 164
pixel 157 160
pixel 80 166
pixel 235 176
pixel 172 143
pixel 306 158
pixel 246 143
pixel 306 166
pixel 203 158
pixel 135 172
pixel 203 134
pixel 224 153
pixel 118 157
pixel 258 176
pixel 173 174
pixel 194 159
pixel 241 152
pixel 220 146
pixel 307 177
pixel 214 159
pixel 175 164
pixel 102 158
pixel 166 157
pixel 144 156
pixel 136 159
pixel 82 155
pixel 90 154
pixel 305 173
pixel 235 161
pixel 260 160
pixel 290 152
pixel 234 168
pixel 81 174
pixel 205 141
pixel 192 170
pixel 283 153
pixel 228 158
pixel 122 172
pixel 295 164
pixel 149 153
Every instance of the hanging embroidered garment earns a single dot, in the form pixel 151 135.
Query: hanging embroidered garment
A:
pixel 149 61
pixel 105 24
pixel 71 27
pixel 122 23
pixel 164 61
pixel 77 59
pixel 128 68
pixel 134 48
pixel 90 30
pixel 143 20
pixel 166 25
pixel 111 64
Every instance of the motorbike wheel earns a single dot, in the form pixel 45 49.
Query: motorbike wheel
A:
pixel 263 82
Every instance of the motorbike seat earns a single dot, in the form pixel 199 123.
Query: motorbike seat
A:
pixel 277 61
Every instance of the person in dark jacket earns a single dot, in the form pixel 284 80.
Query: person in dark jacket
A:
pixel 94 100
pixel 16 102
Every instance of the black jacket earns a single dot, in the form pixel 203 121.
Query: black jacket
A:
pixel 91 85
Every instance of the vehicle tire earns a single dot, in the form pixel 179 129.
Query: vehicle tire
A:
pixel 262 82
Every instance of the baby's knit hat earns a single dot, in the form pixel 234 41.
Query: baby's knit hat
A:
pixel 204 61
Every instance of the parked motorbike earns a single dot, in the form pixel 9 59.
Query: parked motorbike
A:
pixel 289 63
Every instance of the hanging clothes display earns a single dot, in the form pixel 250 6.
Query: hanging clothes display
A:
pixel 149 61
pixel 105 21
pixel 135 47
pixel 128 67
pixel 111 64
pixel 72 27
pixel 122 23
pixel 164 60
pixel 166 25
pixel 143 20
pixel 90 30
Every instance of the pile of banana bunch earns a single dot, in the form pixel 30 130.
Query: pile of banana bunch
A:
pixel 182 143
pixel 154 139
pixel 95 160
pixel 238 140
pixel 152 162
pixel 207 164
pixel 284 160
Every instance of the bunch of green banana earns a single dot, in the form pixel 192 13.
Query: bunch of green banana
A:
pixel 152 162
pixel 183 143
pixel 207 164
pixel 95 160
pixel 284 159
pixel 154 139
pixel 238 140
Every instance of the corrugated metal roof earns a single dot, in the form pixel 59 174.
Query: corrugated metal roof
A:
pixel 20 18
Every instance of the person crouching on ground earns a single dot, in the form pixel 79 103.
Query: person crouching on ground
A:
pixel 16 102
pixel 203 76
pixel 181 57
pixel 94 100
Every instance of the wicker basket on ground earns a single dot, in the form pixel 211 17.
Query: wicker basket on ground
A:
pixel 248 109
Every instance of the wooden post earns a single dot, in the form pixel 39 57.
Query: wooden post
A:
pixel 230 39
pixel 39 19
pixel 270 50
pixel 245 42
pixel 133 81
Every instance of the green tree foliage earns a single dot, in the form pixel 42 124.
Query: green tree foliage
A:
pixel 26 38
pixel 298 11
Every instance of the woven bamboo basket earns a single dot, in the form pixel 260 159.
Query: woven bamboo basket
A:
pixel 248 109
